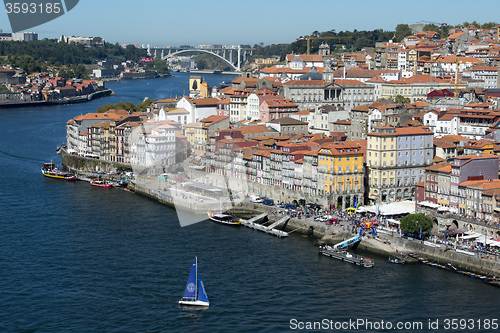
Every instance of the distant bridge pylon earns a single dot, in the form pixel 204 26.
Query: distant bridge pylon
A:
pixel 232 56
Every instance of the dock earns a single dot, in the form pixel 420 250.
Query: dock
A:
pixel 271 229
pixel 346 256
pixel 449 267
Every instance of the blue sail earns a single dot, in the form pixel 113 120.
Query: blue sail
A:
pixel 202 294
pixel 190 291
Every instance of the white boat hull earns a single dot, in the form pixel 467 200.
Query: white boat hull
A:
pixel 194 303
pixel 224 222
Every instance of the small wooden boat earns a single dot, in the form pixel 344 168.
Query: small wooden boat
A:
pixel 100 183
pixel 224 219
pixel 394 260
pixel 50 170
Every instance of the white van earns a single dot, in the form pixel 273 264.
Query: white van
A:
pixel 255 198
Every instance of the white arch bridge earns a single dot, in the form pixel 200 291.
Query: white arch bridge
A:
pixel 233 56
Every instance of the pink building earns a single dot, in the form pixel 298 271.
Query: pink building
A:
pixel 275 107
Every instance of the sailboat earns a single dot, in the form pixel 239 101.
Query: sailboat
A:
pixel 194 294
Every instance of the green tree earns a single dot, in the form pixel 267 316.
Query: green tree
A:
pixel 402 31
pixel 401 99
pixel 412 223
pixel 431 27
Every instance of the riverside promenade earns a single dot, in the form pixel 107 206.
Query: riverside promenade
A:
pixel 386 244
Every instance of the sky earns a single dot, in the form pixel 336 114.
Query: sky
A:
pixel 194 22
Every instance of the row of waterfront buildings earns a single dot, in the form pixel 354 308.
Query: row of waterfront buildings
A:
pixel 329 129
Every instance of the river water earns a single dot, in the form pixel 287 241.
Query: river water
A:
pixel 75 258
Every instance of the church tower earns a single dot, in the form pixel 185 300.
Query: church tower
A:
pixel 324 50
pixel 327 71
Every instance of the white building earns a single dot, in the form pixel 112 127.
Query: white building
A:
pixel 488 76
pixel 253 104
pixel 25 36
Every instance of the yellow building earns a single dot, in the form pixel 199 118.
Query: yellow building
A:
pixel 198 133
pixel 198 88
pixel 340 172
pixel 412 61
pixel 190 132
pixel 479 146
pixel 381 155
pixel 396 158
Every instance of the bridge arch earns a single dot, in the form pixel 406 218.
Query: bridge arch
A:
pixel 236 69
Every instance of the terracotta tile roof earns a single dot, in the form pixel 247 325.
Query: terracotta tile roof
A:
pixel 454 138
pixel 305 57
pixel 176 111
pixel 280 103
pixel 213 119
pixel 362 108
pixel 343 122
pixel 443 144
pixel 438 166
pixel 206 101
pixel 254 129
pixel 100 116
pixel 403 131
pixel 347 82
pixel 303 112
pixel 438 159
pixel 286 121
pixel 166 100
pixel 488 184
pixel 479 144
pixel 304 83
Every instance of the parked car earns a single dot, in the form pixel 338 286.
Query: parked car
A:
pixel 269 202
pixel 255 199
pixel 314 206
pixel 332 221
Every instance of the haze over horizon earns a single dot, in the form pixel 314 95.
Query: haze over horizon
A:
pixel 161 23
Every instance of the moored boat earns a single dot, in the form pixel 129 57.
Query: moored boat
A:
pixel 224 219
pixel 395 260
pixel 100 183
pixel 50 170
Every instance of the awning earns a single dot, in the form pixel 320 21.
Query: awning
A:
pixel 472 236
pixel 483 239
pixel 394 208
pixel 429 204
pixel 393 221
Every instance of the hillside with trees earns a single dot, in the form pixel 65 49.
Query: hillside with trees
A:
pixel 35 56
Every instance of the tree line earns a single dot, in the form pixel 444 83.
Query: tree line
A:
pixel 35 56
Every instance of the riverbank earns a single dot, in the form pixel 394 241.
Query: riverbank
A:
pixel 70 100
pixel 388 244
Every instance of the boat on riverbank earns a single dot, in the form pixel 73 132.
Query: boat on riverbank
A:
pixel 100 183
pixel 50 170
pixel 394 260
pixel 224 219
pixel 330 251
